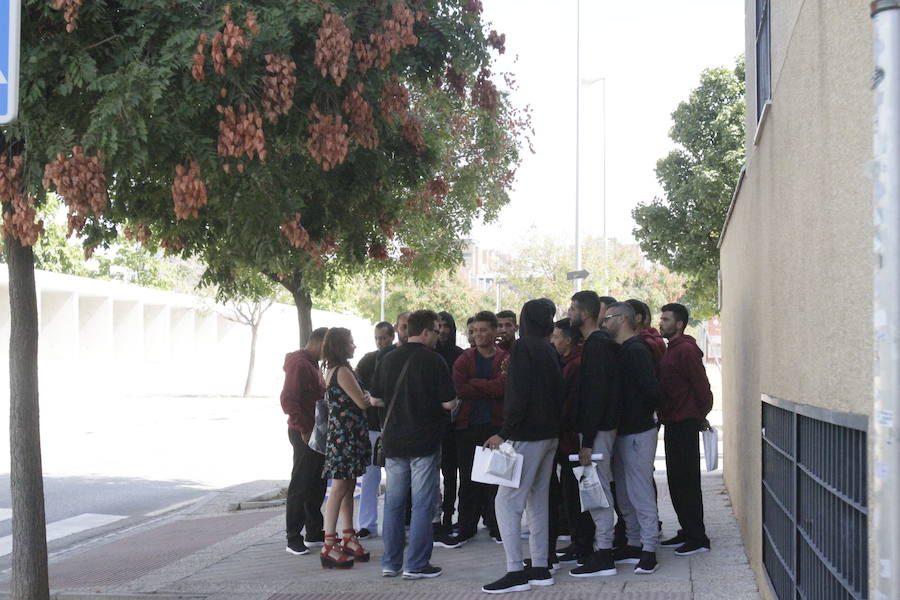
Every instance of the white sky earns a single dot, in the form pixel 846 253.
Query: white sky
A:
pixel 651 53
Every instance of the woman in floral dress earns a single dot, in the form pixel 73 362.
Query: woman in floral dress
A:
pixel 347 448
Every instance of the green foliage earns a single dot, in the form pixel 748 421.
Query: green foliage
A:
pixel 120 85
pixel 682 229
pixel 539 269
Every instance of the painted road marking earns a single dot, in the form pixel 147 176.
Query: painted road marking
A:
pixel 60 529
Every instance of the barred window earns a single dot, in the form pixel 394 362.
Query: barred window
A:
pixel 763 56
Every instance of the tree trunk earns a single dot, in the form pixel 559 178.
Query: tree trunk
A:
pixel 29 533
pixel 303 301
pixel 254 327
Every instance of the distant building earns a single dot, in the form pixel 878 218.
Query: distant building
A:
pixel 480 266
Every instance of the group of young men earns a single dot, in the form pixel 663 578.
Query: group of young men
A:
pixel 595 386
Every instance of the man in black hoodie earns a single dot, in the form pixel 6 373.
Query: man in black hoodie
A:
pixel 598 417
pixel 446 347
pixel 635 448
pixel 531 415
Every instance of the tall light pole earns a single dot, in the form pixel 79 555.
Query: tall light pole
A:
pixel 580 82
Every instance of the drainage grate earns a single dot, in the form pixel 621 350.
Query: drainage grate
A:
pixel 815 539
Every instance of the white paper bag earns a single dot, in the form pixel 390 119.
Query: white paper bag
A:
pixel 502 462
pixel 480 469
pixel 590 491
pixel 711 448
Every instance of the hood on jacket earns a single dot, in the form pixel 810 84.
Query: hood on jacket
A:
pixel 684 339
pixel 536 318
pixel 451 343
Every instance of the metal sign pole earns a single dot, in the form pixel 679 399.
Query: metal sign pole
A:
pixel 885 498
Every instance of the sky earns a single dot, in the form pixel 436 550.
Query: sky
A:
pixel 650 54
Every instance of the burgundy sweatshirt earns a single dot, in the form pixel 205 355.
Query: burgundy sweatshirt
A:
pixel 686 391
pixel 469 387
pixel 303 387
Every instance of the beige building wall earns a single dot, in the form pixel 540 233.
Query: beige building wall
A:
pixel 796 255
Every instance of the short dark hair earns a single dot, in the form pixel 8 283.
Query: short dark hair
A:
pixel 506 314
pixel 386 325
pixel 640 309
pixel 626 310
pixel 589 301
pixel 486 316
pixel 421 320
pixel 334 349
pixel 607 300
pixel 565 326
pixel 470 321
pixel 318 334
pixel 679 311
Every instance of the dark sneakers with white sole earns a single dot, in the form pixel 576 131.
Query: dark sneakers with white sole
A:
pixel 514 581
pixel 647 563
pixel 598 564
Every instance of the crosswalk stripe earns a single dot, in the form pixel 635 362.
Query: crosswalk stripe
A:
pixel 64 527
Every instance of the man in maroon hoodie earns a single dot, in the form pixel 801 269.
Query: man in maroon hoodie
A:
pixel 480 384
pixel 646 332
pixel 687 399
pixel 303 387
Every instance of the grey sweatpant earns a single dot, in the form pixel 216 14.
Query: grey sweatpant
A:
pixel 534 493
pixel 604 518
pixel 633 470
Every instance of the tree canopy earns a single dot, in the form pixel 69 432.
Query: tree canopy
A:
pixel 302 139
pixel 681 230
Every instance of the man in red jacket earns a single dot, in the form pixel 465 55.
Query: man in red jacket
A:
pixel 303 387
pixel 480 384
pixel 687 399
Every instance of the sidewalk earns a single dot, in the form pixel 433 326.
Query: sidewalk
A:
pixel 209 553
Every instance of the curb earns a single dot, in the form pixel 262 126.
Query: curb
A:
pixel 263 500
pixel 113 596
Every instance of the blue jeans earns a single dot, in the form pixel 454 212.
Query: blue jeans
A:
pixel 368 495
pixel 421 475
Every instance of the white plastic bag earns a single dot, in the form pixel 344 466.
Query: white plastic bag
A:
pixel 480 469
pixel 590 491
pixel 503 461
pixel 711 448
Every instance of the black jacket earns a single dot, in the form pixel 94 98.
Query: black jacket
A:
pixel 641 392
pixel 532 403
pixel 365 370
pixel 450 351
pixel 599 397
pixel 415 426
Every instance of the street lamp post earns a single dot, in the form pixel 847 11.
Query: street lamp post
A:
pixel 580 82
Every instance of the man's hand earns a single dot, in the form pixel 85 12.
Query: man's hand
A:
pixel 584 456
pixel 493 442
pixel 705 426
pixel 373 401
pixel 450 404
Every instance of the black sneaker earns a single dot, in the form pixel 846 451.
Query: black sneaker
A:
pixel 553 567
pixel 539 576
pixel 598 564
pixel 315 540
pixel 495 535
pixel 689 548
pixel 297 548
pixel 567 558
pixel 388 572
pixel 514 581
pixel 447 541
pixel 425 572
pixel 364 534
pixel 674 542
pixel 647 563
pixel 630 555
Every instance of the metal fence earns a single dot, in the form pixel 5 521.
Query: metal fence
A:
pixel 814 502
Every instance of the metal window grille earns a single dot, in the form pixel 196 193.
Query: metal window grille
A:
pixel 814 502
pixel 763 58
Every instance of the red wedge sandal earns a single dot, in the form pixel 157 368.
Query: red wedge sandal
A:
pixel 352 547
pixel 333 556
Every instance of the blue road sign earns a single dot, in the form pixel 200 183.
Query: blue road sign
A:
pixel 10 17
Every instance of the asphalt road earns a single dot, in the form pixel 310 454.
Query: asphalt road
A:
pixel 113 462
